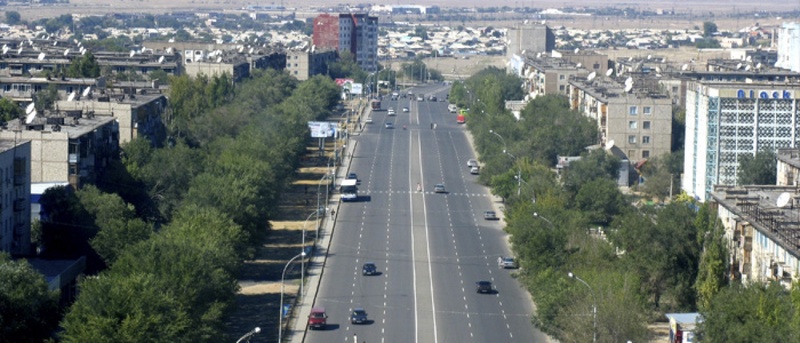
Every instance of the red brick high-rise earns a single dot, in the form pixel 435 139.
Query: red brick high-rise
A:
pixel 354 32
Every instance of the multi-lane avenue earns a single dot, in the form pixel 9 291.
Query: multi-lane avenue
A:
pixel 430 248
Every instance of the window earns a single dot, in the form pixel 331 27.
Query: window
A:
pixel 674 89
pixel 645 153
pixel 632 139
pixel 633 110
pixel 561 77
pixel 646 125
pixel 561 88
pixel 633 124
pixel 645 139
pixel 648 110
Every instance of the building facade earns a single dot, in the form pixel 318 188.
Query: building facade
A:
pixel 789 47
pixel 760 223
pixel 303 64
pixel 353 32
pixel 726 120
pixel 71 149
pixel 788 167
pixel 638 122
pixel 15 191
pixel 530 38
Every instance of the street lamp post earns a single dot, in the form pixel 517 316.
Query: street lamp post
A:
pixel 594 305
pixel 247 335
pixel 280 309
pixel 303 244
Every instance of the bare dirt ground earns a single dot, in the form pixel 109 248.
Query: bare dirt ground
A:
pixel 260 280
pixel 715 10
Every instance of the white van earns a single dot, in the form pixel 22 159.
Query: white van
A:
pixel 452 108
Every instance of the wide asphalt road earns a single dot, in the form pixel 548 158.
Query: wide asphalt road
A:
pixel 430 247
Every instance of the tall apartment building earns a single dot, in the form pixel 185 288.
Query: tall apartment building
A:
pixel 789 47
pixel 727 120
pixel 353 32
pixel 15 193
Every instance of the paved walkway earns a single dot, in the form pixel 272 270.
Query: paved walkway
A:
pixel 296 329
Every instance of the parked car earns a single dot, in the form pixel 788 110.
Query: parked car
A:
pixel 472 163
pixel 439 188
pixel 369 269
pixel 358 316
pixel 318 319
pixel 475 170
pixel 489 215
pixel 484 287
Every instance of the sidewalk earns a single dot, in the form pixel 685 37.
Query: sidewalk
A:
pixel 296 328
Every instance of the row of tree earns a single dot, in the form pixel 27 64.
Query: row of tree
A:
pixel 167 227
pixel 639 261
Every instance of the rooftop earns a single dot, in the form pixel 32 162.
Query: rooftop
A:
pixel 758 205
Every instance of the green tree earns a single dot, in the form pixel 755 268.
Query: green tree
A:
pixel 709 28
pixel 116 221
pixel 46 99
pixel 13 17
pixel 85 66
pixel 760 169
pixel 28 309
pixel 597 164
pixel 712 273
pixel 346 67
pixel 9 110
pixel 128 308
pixel 601 200
pixel 761 313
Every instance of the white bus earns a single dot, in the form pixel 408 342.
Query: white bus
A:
pixel 349 190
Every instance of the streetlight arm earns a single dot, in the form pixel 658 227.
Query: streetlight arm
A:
pixel 280 308
pixel 251 333
pixel 594 305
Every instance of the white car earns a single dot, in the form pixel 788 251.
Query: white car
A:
pixel 368 120
pixel 390 112
pixel 472 163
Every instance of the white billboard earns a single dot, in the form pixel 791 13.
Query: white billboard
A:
pixel 322 129
pixel 357 88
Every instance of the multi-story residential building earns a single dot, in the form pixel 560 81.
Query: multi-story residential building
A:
pixel 15 192
pixel 788 167
pixel 726 120
pixel 26 61
pixel 760 228
pixel 237 68
pixel 303 64
pixel 637 121
pixel 789 47
pixel 586 59
pixel 353 32
pixel 137 114
pixel 543 75
pixel 72 147
pixel 21 89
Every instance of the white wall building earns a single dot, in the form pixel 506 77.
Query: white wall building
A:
pixel 726 120
pixel 789 47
